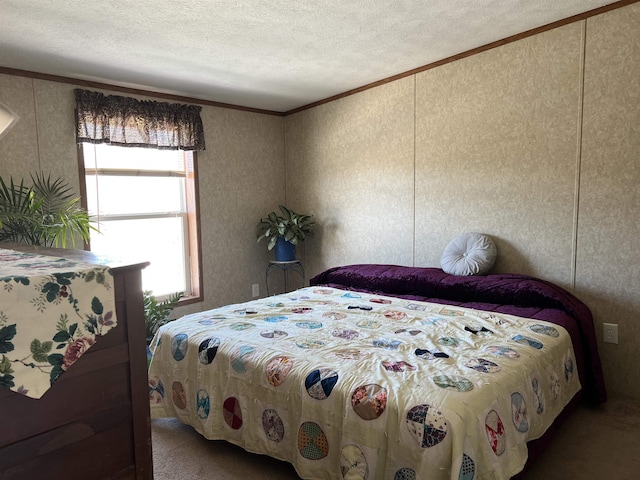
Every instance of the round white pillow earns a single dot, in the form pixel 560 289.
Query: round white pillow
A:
pixel 469 254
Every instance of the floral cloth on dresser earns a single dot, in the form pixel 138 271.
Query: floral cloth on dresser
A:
pixel 348 385
pixel 52 310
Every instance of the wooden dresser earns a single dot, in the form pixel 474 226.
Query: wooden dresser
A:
pixel 94 422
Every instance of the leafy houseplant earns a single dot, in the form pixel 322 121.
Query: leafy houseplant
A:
pixel 156 313
pixel 290 226
pixel 45 213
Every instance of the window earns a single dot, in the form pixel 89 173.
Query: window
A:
pixel 145 203
pixel 138 176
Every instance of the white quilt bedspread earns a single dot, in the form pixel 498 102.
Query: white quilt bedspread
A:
pixel 357 386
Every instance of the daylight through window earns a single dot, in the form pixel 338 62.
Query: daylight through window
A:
pixel 144 200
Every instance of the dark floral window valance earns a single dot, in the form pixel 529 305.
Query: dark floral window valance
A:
pixel 130 122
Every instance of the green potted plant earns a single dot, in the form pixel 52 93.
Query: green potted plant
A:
pixel 156 312
pixel 284 231
pixel 44 214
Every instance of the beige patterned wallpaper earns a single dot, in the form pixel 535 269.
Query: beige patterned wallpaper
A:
pixel 241 176
pixel 608 253
pixel 496 153
pixel 19 146
pixel 506 143
pixel 350 163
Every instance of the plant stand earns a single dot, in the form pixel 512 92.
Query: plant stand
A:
pixel 294 265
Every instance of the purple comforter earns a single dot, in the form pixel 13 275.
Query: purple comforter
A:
pixel 509 293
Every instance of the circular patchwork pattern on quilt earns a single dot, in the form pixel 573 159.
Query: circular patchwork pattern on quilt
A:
pixel 554 383
pixel 353 463
pixel 545 330
pixel 386 343
pixel 346 334
pixel 309 325
pixel 499 351
pixel 352 295
pixel 232 413
pixel 240 358
pixel 480 330
pixel 382 301
pixel 519 414
pixel 539 398
pixel 320 383
pixel 482 365
pixel 273 334
pixel 334 315
pixel 528 341
pixel 276 319
pixel 399 366
pixel 432 321
pixel 211 321
pixel 395 315
pixel 413 333
pixel 427 425
pixel 203 404
pixel 351 354
pixel 241 326
pixel 179 396
pixel 467 468
pixel 323 291
pixel 327 302
pixel 302 310
pixel 272 425
pixel 494 429
pixel 416 306
pixel 405 474
pixel 425 354
pixel 492 318
pixel 449 341
pixel 312 442
pixel 453 382
pixel 370 324
pixel 208 349
pixel 369 401
pixel 156 390
pixel 278 369
pixel 568 368
pixel 179 346
pixel 310 344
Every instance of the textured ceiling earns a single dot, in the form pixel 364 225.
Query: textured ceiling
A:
pixel 267 54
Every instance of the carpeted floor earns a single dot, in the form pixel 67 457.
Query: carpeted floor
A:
pixel 593 443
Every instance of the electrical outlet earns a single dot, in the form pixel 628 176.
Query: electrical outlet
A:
pixel 255 290
pixel 610 332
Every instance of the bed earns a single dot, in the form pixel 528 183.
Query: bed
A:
pixel 384 372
